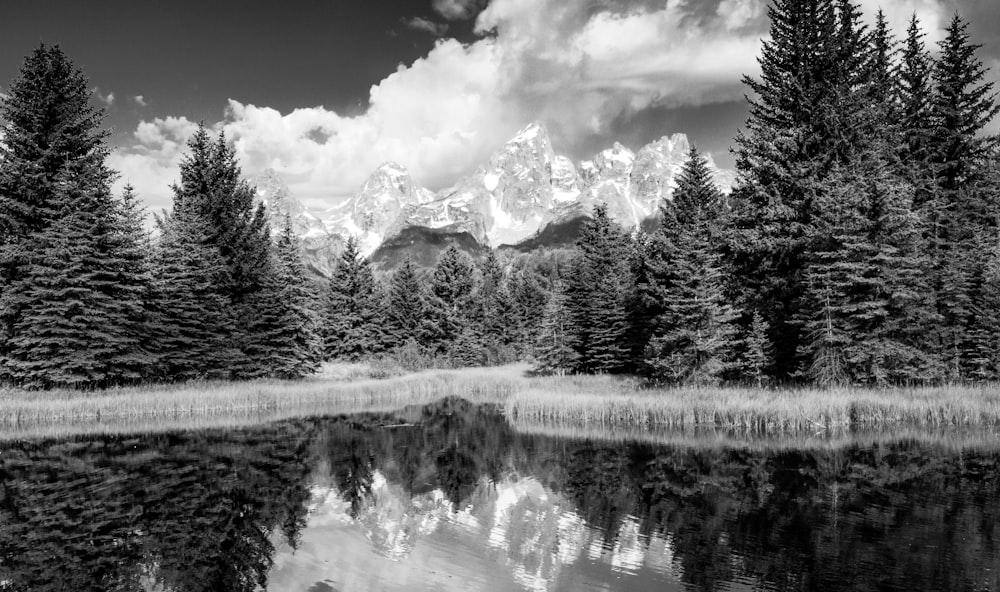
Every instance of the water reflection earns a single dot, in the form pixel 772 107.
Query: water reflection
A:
pixel 449 497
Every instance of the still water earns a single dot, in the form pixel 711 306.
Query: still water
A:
pixel 449 497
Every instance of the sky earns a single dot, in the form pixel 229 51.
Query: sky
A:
pixel 324 91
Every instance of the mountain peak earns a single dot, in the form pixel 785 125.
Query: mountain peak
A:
pixel 391 169
pixel 269 183
pixel 530 132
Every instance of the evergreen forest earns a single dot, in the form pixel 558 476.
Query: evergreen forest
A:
pixel 860 246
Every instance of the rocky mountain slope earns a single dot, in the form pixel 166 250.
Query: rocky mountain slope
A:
pixel 525 196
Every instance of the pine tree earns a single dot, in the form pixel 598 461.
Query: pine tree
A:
pixel 77 327
pixel 406 311
pixel 756 353
pixel 694 337
pixel 914 96
pixel 194 329
pixel 52 136
pixel 960 208
pixel 493 318
pixel 529 295
pixel 597 290
pixel 983 341
pixel 71 304
pixel 212 191
pixel 963 105
pixel 555 350
pixel 865 296
pixel 288 343
pixel 211 186
pixel 130 249
pixel 450 296
pixel 802 122
pixel 352 327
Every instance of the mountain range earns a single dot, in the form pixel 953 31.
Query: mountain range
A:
pixel 524 197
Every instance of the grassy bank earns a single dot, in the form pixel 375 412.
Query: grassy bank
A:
pixel 227 404
pixel 576 402
pixel 759 411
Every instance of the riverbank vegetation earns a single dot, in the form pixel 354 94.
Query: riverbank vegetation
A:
pixel 584 402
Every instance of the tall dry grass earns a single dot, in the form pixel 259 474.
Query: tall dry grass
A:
pixel 223 404
pixel 585 402
pixel 759 411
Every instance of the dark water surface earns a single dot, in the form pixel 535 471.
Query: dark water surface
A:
pixel 455 499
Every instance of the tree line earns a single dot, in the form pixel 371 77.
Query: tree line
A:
pixel 88 299
pixel 860 245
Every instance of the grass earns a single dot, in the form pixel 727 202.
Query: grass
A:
pixel 227 404
pixel 972 438
pixel 589 403
pixel 759 411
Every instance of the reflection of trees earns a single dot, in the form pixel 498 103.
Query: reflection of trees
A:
pixel 457 473
pixel 196 511
pixel 351 465
pixel 192 512
pixel 854 518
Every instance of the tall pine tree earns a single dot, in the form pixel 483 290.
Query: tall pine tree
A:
pixel 193 322
pixel 353 322
pixel 406 306
pixel 694 338
pixel 802 122
pixel 70 308
pixel 597 292
pixel 287 343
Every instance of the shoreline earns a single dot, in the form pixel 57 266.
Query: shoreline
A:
pixel 580 402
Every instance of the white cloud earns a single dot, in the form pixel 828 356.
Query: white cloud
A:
pixel 454 10
pixel 107 99
pixel 151 164
pixel 439 117
pixel 738 13
pixel 578 66
pixel 140 100
pixel 418 23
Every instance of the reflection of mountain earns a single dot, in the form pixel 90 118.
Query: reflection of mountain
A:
pixel 463 502
pixel 521 525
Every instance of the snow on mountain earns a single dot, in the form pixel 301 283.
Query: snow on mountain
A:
pixel 378 207
pixel 320 246
pixel 522 190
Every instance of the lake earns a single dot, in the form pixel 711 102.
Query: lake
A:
pixel 450 497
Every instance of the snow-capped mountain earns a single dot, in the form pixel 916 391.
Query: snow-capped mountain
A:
pixel 524 191
pixel 320 246
pixel 378 208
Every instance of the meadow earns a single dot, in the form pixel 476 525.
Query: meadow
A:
pixel 588 404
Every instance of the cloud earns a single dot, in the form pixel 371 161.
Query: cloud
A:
pixel 107 99
pixel 582 67
pixel 438 117
pixel 151 164
pixel 932 14
pixel 418 23
pixel 140 100
pixel 455 10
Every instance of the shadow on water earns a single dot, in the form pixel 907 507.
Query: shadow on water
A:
pixel 450 496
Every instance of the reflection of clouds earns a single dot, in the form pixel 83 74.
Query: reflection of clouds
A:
pixel 530 536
